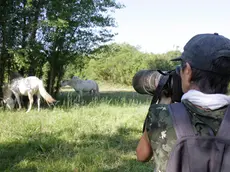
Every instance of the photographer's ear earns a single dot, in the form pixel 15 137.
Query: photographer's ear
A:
pixel 189 71
pixel 186 76
pixel 186 72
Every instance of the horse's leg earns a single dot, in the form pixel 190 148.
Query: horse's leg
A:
pixel 80 94
pixel 18 100
pixel 31 99
pixel 38 100
pixel 95 89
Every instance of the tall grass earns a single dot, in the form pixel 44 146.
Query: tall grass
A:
pixel 91 134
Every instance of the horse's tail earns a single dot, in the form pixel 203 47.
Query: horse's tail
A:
pixel 45 95
pixel 97 88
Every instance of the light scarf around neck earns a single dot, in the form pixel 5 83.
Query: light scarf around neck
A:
pixel 207 101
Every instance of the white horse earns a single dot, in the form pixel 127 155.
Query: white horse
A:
pixel 29 86
pixel 81 86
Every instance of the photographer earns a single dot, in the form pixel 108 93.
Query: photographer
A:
pixel 205 76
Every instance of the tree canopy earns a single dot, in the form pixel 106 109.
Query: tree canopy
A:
pixel 118 63
pixel 41 37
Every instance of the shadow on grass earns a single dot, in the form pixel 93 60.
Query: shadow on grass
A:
pixel 71 98
pixel 131 165
pixel 93 152
pixel 37 147
pixel 110 149
pixel 120 140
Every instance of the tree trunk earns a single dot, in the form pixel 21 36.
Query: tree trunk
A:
pixel 32 39
pixel 59 77
pixel 52 73
pixel 51 81
pixel 3 54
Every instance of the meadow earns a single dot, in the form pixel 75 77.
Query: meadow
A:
pixel 94 134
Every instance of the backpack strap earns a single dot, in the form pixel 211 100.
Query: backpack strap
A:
pixel 224 130
pixel 157 95
pixel 181 121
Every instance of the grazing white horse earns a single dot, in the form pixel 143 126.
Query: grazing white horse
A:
pixel 28 86
pixel 81 86
pixel 7 97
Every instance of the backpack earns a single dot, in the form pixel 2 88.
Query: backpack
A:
pixel 194 153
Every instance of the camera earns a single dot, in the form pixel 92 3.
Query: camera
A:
pixel 164 86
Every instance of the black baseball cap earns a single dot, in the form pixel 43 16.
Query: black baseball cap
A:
pixel 202 49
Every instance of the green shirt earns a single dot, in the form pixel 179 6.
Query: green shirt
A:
pixel 161 132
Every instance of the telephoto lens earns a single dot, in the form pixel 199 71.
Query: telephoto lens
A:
pixel 159 83
pixel 146 81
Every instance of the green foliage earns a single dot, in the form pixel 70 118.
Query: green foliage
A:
pixel 117 66
pixel 162 61
pixel 118 63
pixel 45 70
pixel 75 68
pixel 20 58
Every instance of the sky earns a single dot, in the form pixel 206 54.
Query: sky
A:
pixel 159 26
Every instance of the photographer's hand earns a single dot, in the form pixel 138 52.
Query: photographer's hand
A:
pixel 144 150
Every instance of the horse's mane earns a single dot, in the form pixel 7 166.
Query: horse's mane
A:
pixel 15 76
pixel 76 80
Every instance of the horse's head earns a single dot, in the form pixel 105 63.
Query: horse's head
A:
pixel 6 90
pixel 7 97
pixel 75 78
pixel 9 102
pixel 64 83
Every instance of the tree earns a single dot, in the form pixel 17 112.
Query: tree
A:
pixel 73 28
pixel 34 33
pixel 118 63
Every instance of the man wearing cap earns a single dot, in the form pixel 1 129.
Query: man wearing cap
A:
pixel 205 76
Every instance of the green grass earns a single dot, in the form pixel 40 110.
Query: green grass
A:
pixel 98 134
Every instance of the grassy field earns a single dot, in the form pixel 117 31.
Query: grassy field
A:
pixel 94 134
